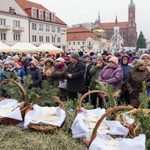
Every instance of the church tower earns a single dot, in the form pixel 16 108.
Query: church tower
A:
pixel 132 35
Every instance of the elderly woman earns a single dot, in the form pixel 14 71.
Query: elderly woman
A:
pixel 112 74
pixel 134 82
pixel 146 59
pixel 48 70
pixel 59 77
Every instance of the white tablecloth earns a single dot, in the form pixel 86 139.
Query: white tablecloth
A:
pixel 47 115
pixel 10 108
pixel 108 143
pixel 81 128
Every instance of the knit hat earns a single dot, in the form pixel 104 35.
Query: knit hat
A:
pixel 12 63
pixel 114 59
pixel 145 55
pixel 60 59
pixel 86 55
pixel 6 62
pixel 94 57
pixel 33 63
pixel 75 56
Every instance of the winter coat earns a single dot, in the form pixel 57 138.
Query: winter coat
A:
pixel 21 74
pixel 134 82
pixel 75 84
pixel 48 70
pixel 59 73
pixel 35 76
pixel 126 69
pixel 94 72
pixel 26 65
pixel 112 76
pixel 1 74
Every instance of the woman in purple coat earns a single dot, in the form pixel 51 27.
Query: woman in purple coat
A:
pixel 112 74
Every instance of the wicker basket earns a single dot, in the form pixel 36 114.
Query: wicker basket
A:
pixel 47 127
pixel 109 111
pixel 133 128
pixel 9 121
pixel 101 92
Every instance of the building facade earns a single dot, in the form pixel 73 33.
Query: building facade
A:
pixel 14 23
pixel 82 39
pixel 44 26
pixel 25 21
pixel 128 30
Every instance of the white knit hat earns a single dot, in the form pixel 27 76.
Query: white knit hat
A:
pixel 145 55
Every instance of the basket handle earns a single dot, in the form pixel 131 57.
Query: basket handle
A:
pixel 111 110
pixel 59 102
pixel 102 92
pixel 23 91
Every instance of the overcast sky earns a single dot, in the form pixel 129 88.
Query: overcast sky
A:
pixel 78 11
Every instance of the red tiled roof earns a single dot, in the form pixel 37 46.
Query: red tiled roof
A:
pixel 77 30
pixel 111 25
pixel 79 34
pixel 25 4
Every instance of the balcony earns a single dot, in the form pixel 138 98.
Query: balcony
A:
pixel 18 29
pixel 4 27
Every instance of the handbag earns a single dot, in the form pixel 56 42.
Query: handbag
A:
pixel 63 84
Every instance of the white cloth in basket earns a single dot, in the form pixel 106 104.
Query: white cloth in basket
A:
pixel 85 122
pixel 9 108
pixel 47 115
pixel 108 143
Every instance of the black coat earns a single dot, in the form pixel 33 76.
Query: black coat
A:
pixel 35 76
pixel 75 84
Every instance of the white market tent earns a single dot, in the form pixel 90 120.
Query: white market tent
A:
pixel 49 48
pixel 23 47
pixel 4 47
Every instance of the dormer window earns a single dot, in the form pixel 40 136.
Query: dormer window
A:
pixel 41 14
pixel 34 12
pixel 47 16
pixel 53 17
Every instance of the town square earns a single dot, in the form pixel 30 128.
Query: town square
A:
pixel 74 75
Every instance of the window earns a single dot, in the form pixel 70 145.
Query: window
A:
pixel 2 21
pixel 58 40
pixel 40 27
pixel 40 14
pixel 53 28
pixel 47 16
pixel 78 43
pixel 53 39
pixel 2 36
pixel 53 18
pixel 58 29
pixel 33 38
pixel 74 43
pixel 47 28
pixel 16 23
pixel 69 43
pixel 83 43
pixel 34 12
pixel 33 26
pixel 47 39
pixel 40 38
pixel 17 37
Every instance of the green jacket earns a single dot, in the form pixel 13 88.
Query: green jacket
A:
pixel 94 72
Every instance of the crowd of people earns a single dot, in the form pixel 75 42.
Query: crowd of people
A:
pixel 75 73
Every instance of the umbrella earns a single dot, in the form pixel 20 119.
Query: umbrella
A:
pixel 4 47
pixel 49 48
pixel 23 47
